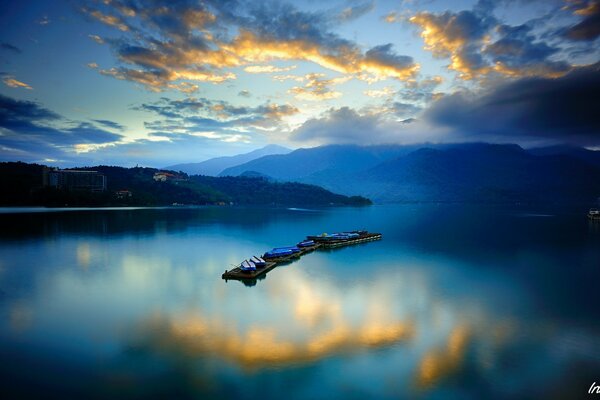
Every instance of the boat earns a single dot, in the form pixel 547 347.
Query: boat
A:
pixel 324 237
pixel 306 243
pixel 294 249
pixel 594 213
pixel 258 261
pixel 247 266
pixel 278 253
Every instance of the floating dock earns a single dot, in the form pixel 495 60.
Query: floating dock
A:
pixel 237 273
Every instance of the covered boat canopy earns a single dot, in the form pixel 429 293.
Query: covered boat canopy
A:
pixel 247 266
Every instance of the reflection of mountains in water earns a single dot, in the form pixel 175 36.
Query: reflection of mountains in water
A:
pixel 142 221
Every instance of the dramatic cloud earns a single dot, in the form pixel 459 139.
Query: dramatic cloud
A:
pixel 477 45
pixel 30 132
pixel 563 109
pixel 517 53
pixel 457 36
pixel 589 27
pixel 166 45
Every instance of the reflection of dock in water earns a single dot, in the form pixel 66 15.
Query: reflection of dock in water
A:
pixel 272 262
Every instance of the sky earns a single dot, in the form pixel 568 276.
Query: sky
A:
pixel 159 82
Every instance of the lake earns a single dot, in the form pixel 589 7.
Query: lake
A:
pixel 455 301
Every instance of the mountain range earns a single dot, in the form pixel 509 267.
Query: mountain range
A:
pixel 473 172
pixel 215 166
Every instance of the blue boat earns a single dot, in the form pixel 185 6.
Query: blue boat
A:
pixel 258 261
pixel 294 249
pixel 278 253
pixel 306 243
pixel 247 266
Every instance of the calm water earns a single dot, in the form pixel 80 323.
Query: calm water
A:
pixel 454 302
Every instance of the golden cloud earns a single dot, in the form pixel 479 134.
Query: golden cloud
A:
pixel 14 83
pixel 391 17
pixel 434 31
pixel 108 19
pixel 158 62
pixel 466 42
pixel 318 88
pixel 261 69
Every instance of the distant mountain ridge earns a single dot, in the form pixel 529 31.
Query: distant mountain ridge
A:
pixel 214 166
pixel 473 172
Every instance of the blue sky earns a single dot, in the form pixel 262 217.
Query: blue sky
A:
pixel 159 82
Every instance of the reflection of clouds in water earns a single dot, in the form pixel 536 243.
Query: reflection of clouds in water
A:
pixel 441 362
pixel 83 255
pixel 20 317
pixel 302 319
pixel 291 318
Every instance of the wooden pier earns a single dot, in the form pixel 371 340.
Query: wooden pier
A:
pixel 237 273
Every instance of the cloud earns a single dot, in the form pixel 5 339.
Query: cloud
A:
pixel 347 126
pixel 356 11
pixel 96 39
pixel 44 20
pixel 261 69
pixel 174 42
pixel 111 20
pixel 110 124
pixel 244 93
pixel 92 65
pixel 317 88
pixel 12 82
pixel 30 132
pixel 457 36
pixel 478 45
pixel 517 53
pixel 560 109
pixel 10 47
pixel 159 80
pixel 223 120
pixel 391 17
pixel 405 110
pixel 589 27
pixel 383 63
pixel 385 92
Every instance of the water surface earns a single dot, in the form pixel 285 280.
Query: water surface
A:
pixel 455 302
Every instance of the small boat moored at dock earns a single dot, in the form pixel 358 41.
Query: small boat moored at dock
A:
pixel 247 266
pixel 276 253
pixel 258 262
pixel 594 214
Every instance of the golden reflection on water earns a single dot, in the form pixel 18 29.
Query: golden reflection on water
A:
pixel 264 346
pixel 288 319
pixel 296 319
pixel 83 253
pixel 439 363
